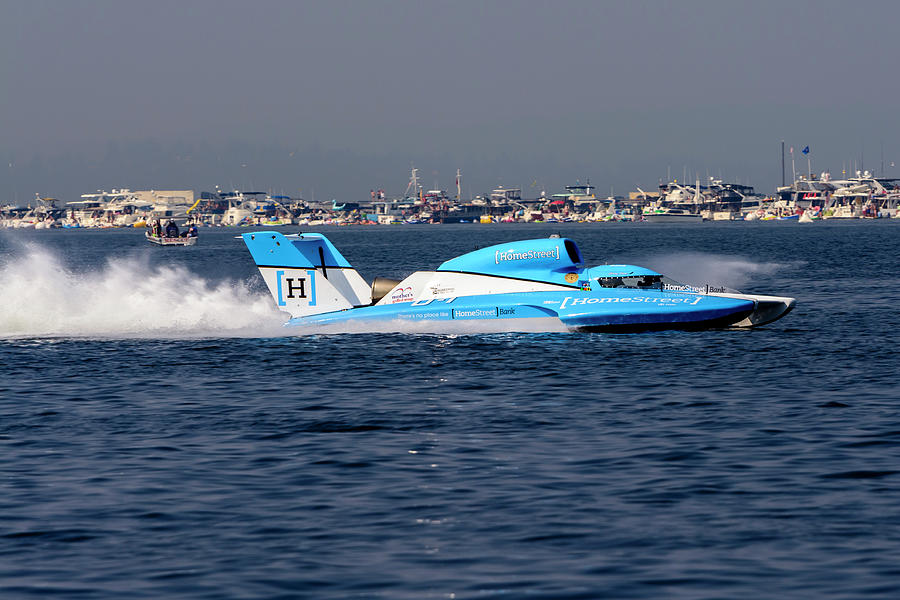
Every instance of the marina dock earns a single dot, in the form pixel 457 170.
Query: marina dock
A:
pixel 807 199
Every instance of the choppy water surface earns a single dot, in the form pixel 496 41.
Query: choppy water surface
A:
pixel 160 438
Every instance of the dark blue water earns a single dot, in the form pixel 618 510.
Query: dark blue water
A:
pixel 157 441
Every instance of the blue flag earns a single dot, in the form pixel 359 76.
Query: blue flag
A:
pixel 805 150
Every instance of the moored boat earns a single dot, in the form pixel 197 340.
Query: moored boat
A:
pixel 672 215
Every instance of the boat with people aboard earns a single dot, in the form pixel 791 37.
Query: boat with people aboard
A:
pixel 525 284
pixel 167 241
pixel 42 213
pixel 863 196
pixel 715 201
pixel 170 234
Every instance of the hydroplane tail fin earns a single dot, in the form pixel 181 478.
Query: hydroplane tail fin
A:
pixel 305 273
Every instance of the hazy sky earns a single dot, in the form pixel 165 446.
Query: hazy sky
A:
pixel 333 98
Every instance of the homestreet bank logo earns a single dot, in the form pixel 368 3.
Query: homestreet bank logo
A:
pixel 670 287
pixel 511 254
pixel 682 287
pixel 689 300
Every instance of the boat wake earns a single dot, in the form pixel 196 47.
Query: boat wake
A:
pixel 443 328
pixel 699 269
pixel 126 298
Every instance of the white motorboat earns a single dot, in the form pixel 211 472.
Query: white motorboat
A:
pixel 170 241
pixel 672 215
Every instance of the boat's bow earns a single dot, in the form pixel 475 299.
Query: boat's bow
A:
pixel 626 310
pixel 768 308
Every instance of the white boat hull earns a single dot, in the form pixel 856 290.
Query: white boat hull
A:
pixel 672 218
pixel 768 308
pixel 170 241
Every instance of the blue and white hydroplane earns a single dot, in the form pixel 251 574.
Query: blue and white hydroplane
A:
pixel 520 284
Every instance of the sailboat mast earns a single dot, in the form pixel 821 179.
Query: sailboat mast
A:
pixel 782 163
pixel 413 183
pixel 793 165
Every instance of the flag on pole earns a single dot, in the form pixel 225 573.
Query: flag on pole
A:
pixel 805 150
pixel 792 149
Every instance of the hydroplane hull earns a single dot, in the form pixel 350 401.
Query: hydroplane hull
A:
pixel 516 284
pixel 583 311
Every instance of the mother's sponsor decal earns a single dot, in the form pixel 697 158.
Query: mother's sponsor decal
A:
pixel 512 254
pixel 402 294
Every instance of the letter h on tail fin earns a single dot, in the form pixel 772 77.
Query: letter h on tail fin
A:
pixel 305 273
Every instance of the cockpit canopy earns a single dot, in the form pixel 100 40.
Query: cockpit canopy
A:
pixel 625 276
